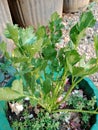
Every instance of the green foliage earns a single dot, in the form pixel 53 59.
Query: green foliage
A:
pixel 6 68
pixel 78 31
pixel 79 102
pixel 42 67
pixel 42 121
pixel 15 92
pixel 85 117
pixel 96 44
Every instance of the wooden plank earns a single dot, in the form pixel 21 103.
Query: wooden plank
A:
pixel 5 17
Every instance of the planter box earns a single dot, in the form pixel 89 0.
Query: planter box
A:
pixel 5 17
pixel 74 5
pixel 34 12
pixel 86 84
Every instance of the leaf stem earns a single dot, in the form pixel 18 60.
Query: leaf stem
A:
pixel 70 90
pixel 75 110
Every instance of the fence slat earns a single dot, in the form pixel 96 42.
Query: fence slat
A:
pixel 5 17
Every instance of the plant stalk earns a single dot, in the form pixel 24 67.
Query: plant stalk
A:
pixel 75 110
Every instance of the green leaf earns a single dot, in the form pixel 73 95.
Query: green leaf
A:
pixel 11 70
pixel 36 47
pixel 79 72
pixel 1 77
pixel 3 47
pixel 11 32
pixel 12 93
pixel 72 57
pixel 76 35
pixel 8 94
pixel 77 32
pixel 69 66
pixel 16 53
pixel 91 63
pixel 41 32
pixel 27 36
pixel 49 52
pixel 54 16
pixel 55 28
pixel 96 44
pixel 92 66
pixel 47 86
pixel 86 20
pixel 17 86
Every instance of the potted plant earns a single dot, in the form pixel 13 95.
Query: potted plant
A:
pixel 50 76
pixel 34 12
pixel 74 5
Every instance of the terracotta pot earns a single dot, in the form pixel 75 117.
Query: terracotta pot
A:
pixel 34 12
pixel 74 5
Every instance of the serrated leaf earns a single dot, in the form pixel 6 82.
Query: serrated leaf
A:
pixel 41 32
pixel 77 32
pixel 86 20
pixel 27 36
pixel 1 77
pixel 36 47
pixel 54 16
pixel 11 32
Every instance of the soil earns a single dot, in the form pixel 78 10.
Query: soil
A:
pixel 72 122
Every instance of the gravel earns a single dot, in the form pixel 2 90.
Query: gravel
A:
pixel 87 44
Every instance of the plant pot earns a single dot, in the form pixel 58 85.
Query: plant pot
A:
pixel 74 5
pixel 86 84
pixel 4 124
pixel 34 12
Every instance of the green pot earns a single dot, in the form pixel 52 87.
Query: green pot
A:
pixel 4 124
pixel 86 84
pixel 90 90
